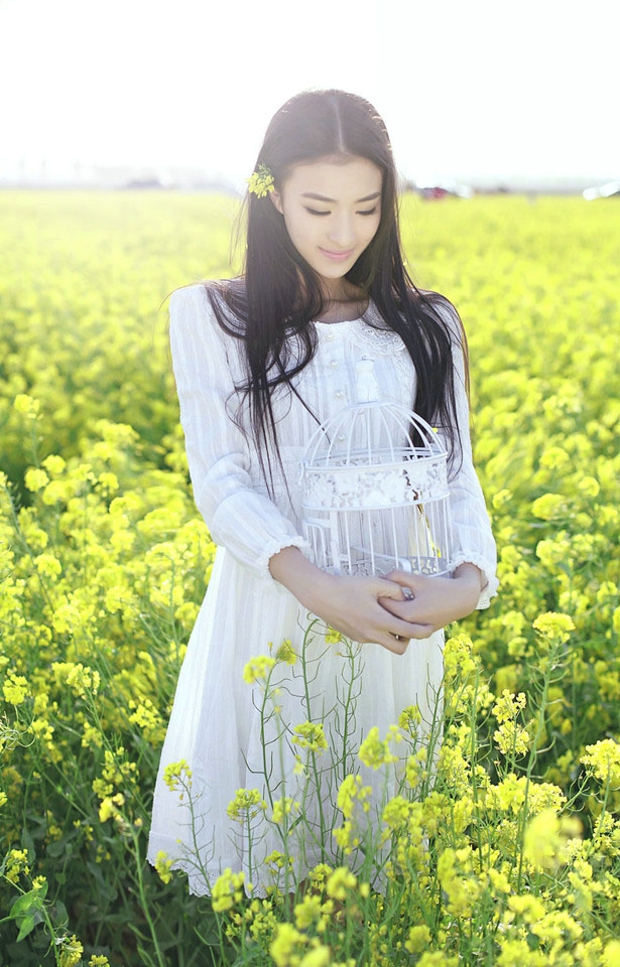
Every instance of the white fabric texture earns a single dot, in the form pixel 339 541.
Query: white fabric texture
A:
pixel 215 724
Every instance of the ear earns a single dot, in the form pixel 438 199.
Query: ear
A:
pixel 277 200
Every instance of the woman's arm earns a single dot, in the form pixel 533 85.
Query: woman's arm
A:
pixel 473 540
pixel 239 518
pixel 433 602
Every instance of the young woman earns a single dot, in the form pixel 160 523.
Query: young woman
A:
pixel 259 362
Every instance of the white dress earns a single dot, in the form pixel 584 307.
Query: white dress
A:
pixel 215 725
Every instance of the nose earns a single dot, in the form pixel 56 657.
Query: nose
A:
pixel 341 231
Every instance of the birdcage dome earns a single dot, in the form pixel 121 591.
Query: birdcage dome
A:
pixel 374 489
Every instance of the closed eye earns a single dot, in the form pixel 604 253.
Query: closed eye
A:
pixel 369 211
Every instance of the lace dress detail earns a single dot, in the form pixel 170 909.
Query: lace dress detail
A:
pixel 375 338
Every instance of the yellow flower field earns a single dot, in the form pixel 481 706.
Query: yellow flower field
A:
pixel 507 850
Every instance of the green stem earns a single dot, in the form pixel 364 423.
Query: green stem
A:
pixel 142 896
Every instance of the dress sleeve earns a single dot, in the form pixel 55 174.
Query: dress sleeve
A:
pixel 239 518
pixel 473 538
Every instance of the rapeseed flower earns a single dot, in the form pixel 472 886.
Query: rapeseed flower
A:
pixel 352 790
pixel 375 752
pixel 15 689
pixel 227 891
pixel 321 956
pixel 258 669
pixel 309 911
pixel 554 626
pixel 409 720
pixel 333 637
pixel 547 839
pixel 418 939
pixel 549 506
pixel 282 808
pixel 35 479
pixel 415 767
pixel 163 866
pixel 397 811
pixel 508 706
pixel 589 487
pixel 147 718
pixel 70 951
pixel 437 958
pixel 339 883
pixel 16 862
pixel 611 954
pixel 462 890
pixel 48 565
pixel 247 805
pixel 178 774
pixel 511 739
pixel 311 736
pixel 26 405
pixel 602 760
pixel 286 653
pixel 54 464
pixel 260 182
pixel 286 945
pixel 110 807
pixel 346 837
pixel 80 678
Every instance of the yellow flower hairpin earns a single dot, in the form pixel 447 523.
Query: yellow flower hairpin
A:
pixel 261 182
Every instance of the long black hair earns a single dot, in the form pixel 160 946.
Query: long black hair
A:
pixel 279 294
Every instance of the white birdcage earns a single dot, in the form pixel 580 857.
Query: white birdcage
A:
pixel 374 489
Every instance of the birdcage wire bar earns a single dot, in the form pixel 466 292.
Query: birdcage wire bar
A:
pixel 375 494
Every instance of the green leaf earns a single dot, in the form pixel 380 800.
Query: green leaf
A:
pixel 27 925
pixel 25 904
pixel 27 910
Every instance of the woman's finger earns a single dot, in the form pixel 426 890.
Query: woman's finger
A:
pixel 398 644
pixel 402 608
pixel 389 589
pixel 408 629
pixel 411 582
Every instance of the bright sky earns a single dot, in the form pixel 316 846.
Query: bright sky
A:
pixel 468 88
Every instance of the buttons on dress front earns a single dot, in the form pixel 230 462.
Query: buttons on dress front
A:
pixel 334 362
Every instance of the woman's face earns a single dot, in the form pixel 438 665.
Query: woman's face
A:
pixel 331 211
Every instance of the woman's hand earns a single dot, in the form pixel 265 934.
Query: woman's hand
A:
pixel 354 606
pixel 433 602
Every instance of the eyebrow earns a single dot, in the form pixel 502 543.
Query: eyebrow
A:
pixel 316 197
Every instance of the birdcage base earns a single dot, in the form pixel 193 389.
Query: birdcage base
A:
pixel 381 564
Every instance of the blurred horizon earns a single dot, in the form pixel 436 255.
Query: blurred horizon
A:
pixel 517 96
pixel 185 179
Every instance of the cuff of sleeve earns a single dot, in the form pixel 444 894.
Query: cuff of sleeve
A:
pixel 272 547
pixel 489 589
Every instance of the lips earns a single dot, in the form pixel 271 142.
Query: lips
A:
pixel 337 256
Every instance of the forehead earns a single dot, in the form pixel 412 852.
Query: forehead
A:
pixel 342 180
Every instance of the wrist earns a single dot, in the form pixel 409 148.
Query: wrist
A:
pixel 470 575
pixel 299 576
